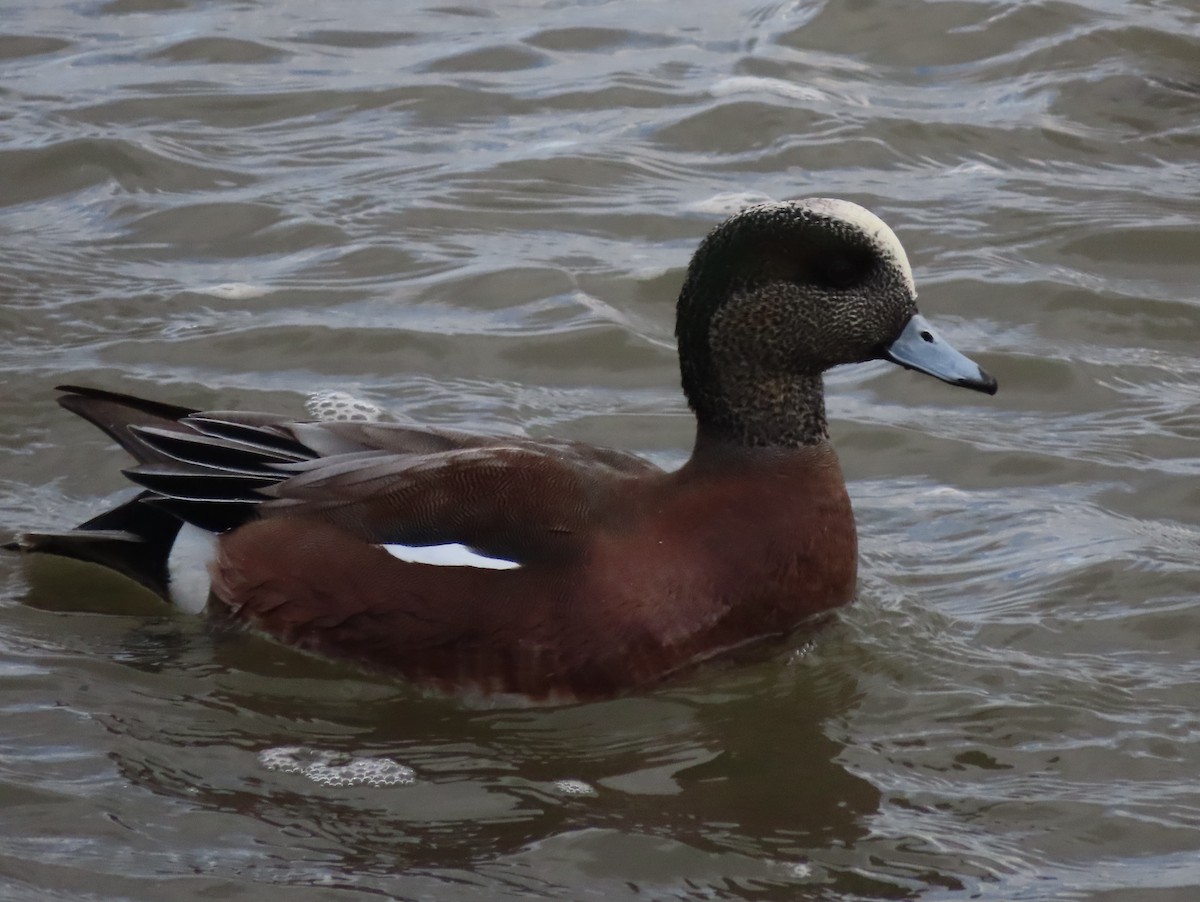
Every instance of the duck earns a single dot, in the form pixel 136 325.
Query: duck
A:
pixel 542 568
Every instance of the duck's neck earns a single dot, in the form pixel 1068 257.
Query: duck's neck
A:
pixel 784 411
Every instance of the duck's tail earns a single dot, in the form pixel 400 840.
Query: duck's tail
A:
pixel 134 539
pixel 196 469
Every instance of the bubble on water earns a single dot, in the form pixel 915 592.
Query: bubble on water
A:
pixel 574 788
pixel 336 769
pixel 340 406
pixel 800 652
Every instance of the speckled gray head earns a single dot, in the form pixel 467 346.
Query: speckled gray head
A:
pixel 781 292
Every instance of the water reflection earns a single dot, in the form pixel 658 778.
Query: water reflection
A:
pixel 478 214
pixel 735 768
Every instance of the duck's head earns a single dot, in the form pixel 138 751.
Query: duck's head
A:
pixel 781 292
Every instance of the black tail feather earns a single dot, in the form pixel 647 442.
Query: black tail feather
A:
pixel 200 485
pixel 213 514
pixel 189 447
pixel 133 539
pixel 115 413
pixel 263 436
pixel 156 410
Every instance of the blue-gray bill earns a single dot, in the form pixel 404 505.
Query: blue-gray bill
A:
pixel 920 348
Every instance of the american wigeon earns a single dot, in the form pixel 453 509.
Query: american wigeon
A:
pixel 545 568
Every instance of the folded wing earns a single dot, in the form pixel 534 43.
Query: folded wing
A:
pixel 505 497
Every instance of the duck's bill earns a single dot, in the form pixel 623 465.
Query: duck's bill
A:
pixel 920 348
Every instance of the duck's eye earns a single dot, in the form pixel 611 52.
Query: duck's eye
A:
pixel 840 272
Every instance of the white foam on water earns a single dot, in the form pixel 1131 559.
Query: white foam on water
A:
pixel 336 769
pixel 340 406
pixel 574 788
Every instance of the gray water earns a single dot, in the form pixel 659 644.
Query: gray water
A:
pixel 479 215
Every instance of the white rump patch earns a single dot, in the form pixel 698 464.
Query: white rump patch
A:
pixel 452 555
pixel 870 225
pixel 187 567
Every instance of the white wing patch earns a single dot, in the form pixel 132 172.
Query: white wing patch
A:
pixel 452 555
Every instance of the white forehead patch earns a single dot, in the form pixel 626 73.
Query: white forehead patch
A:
pixel 877 231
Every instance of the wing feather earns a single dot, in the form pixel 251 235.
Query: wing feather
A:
pixel 386 483
pixel 519 503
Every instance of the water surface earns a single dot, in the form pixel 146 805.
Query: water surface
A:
pixel 479 215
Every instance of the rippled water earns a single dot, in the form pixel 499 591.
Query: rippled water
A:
pixel 479 214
